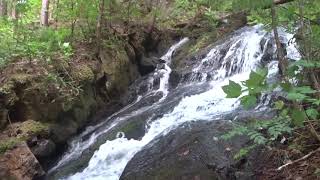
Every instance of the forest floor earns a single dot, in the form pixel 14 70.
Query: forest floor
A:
pixel 296 159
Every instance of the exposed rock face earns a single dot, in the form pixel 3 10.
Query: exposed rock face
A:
pixel 202 41
pixel 42 148
pixel 20 164
pixel 190 152
pixel 195 151
pixel 33 92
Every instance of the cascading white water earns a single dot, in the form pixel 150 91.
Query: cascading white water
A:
pixel 77 146
pixel 110 160
pixel 243 55
pixel 165 72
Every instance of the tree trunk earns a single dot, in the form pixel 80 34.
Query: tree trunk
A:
pixel 56 18
pixel 44 20
pixel 14 14
pixel 99 26
pixel 280 50
pixel 3 8
pixel 306 47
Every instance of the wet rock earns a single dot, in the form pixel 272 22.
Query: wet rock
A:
pixel 20 163
pixel 42 148
pixel 63 131
pixel 148 65
pixel 174 80
pixel 268 49
pixel 193 151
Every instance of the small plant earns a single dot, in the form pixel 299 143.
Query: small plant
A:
pixel 300 106
pixel 260 132
pixel 8 144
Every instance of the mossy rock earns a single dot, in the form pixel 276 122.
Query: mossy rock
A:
pixel 203 41
pixel 82 73
pixel 132 130
pixel 60 64
pixel 30 128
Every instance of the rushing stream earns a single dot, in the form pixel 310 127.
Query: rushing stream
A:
pixel 103 151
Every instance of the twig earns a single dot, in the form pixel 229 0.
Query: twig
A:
pixel 298 160
pixel 15 133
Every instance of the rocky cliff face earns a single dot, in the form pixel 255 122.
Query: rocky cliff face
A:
pixel 47 103
pixel 20 163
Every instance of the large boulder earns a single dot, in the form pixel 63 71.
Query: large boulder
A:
pixel 194 151
pixel 19 163
pixel 42 148
pixel 148 64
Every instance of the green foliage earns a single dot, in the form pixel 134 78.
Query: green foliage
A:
pixel 8 144
pixel 261 132
pixel 302 101
pixel 233 90
pixel 243 152
pixel 254 86
pixel 317 172
pixel 185 9
pixel 249 4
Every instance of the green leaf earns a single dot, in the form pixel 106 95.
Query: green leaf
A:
pixel 279 105
pixel 248 101
pixel 298 116
pixel 292 70
pixel 312 113
pixel 304 90
pixel 286 86
pixel 306 64
pixel 296 96
pixel 284 113
pixel 233 90
pixel 256 78
pixel 316 102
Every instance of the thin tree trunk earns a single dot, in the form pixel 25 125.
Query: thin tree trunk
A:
pixel 45 13
pixel 306 45
pixel 14 10
pixel 3 8
pixel 280 51
pixel 99 26
pixel 57 12
pixel 73 20
pixel 128 15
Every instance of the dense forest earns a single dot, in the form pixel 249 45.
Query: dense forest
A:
pixel 87 79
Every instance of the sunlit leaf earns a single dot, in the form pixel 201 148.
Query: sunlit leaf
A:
pixel 248 101
pixel 298 116
pixel 233 90
pixel 312 113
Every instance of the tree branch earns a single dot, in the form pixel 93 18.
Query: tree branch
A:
pixel 278 2
pixel 298 160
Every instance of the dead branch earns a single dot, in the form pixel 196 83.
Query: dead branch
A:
pixel 299 160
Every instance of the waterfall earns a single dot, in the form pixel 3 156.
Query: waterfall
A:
pixel 232 59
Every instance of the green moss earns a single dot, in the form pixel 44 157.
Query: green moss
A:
pixel 82 73
pixel 19 78
pixel 203 41
pixel 26 130
pixel 131 127
pixel 31 127
pixel 9 144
